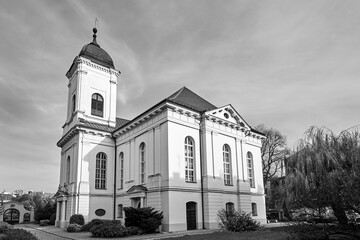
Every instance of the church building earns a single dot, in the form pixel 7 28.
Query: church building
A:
pixel 183 156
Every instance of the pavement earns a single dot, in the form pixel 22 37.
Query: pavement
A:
pixel 55 233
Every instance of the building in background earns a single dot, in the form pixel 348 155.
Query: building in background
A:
pixel 183 156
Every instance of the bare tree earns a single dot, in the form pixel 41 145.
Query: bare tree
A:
pixel 273 152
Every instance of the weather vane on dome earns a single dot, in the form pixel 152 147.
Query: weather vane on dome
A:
pixel 95 30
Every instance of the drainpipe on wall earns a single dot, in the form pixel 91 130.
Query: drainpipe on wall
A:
pixel 81 163
pixel 201 170
pixel 114 210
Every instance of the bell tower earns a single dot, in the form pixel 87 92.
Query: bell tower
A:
pixel 87 135
pixel 92 87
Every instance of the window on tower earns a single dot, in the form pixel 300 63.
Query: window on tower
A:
pixel 189 160
pixel 73 108
pixel 97 105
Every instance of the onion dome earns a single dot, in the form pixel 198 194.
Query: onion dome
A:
pixel 95 53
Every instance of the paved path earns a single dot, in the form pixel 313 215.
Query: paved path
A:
pixel 54 233
pixel 43 234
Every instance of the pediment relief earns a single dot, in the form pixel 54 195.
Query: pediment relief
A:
pixel 137 189
pixel 228 114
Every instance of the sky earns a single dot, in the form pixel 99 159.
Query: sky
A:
pixel 285 64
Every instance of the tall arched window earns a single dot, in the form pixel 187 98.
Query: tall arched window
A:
pixel 73 104
pixel 100 171
pixel 250 166
pixel 68 169
pixel 230 208
pixel 121 157
pixel 142 163
pixel 227 164
pixel 189 160
pixel 97 105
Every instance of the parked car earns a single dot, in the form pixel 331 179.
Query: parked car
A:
pixel 272 217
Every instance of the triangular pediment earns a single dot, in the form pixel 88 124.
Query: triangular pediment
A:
pixel 137 189
pixel 228 114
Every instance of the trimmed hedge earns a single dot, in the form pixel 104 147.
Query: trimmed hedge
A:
pixel 78 219
pixel 108 230
pixel 73 227
pixel 87 227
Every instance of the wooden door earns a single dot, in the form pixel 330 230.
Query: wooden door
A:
pixel 191 215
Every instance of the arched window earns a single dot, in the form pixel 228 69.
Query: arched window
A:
pixel 142 163
pixel 68 169
pixel 100 171
pixel 121 157
pixel 27 217
pixel 120 211
pixel 254 209
pixel 97 105
pixel 250 166
pixel 230 208
pixel 73 104
pixel 227 164
pixel 189 160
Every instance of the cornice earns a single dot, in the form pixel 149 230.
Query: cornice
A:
pixel 76 68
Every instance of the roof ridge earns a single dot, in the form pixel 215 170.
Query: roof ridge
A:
pixel 177 93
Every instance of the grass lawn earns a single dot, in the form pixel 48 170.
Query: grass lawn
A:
pixel 264 234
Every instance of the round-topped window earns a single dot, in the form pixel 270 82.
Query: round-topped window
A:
pixel 100 212
pixel 226 115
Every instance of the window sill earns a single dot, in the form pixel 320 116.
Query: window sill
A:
pixel 230 185
pixel 190 182
pixel 100 189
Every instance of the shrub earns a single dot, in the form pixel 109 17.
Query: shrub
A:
pixel 44 222
pixel 87 227
pixel 133 231
pixel 19 234
pixel 147 218
pixel 108 230
pixel 4 227
pixel 238 221
pixel 77 218
pixel 92 223
pixel 52 219
pixel 73 227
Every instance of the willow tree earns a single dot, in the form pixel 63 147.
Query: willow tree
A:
pixel 350 172
pixel 320 170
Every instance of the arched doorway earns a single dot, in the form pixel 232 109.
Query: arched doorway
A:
pixel 191 215
pixel 12 216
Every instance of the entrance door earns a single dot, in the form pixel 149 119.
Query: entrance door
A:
pixel 11 216
pixel 191 215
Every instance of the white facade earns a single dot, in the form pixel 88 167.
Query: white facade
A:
pixel 187 162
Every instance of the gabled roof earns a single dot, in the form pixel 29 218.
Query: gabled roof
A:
pixel 188 98
pixel 183 97
pixel 102 127
pixel 137 188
